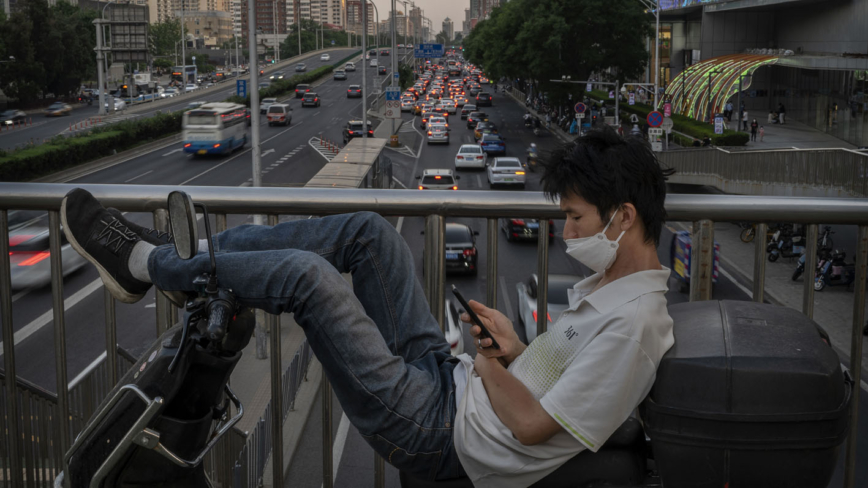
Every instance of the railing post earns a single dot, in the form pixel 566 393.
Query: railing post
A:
pixel 327 467
pixel 276 395
pixel 702 260
pixel 111 336
pixel 433 262
pixel 542 272
pixel 166 311
pixel 491 298
pixel 810 266
pixel 759 262
pixel 379 472
pixel 54 246
pixel 856 353
pixel 12 415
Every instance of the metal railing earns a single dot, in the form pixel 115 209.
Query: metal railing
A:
pixel 435 207
pixel 790 172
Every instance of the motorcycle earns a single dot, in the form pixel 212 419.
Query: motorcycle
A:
pixel 835 272
pixel 789 247
pixel 824 249
pixel 158 423
pixel 532 158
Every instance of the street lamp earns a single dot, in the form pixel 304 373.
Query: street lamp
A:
pixel 710 107
pixel 655 6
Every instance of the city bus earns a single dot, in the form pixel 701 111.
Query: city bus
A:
pixel 214 128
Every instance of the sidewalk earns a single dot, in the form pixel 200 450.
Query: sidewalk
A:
pixel 792 135
pixel 833 307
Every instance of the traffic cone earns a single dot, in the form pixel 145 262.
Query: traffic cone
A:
pixel 31 121
pixel 70 127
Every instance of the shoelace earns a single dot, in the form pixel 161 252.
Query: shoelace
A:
pixel 116 234
pixel 159 234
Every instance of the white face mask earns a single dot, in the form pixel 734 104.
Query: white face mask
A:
pixel 596 252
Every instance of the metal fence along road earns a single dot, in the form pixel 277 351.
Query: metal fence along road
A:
pixel 31 459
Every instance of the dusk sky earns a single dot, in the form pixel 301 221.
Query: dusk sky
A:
pixel 436 10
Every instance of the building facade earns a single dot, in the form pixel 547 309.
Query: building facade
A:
pixel 354 17
pixel 270 16
pixel 449 29
pixel 208 28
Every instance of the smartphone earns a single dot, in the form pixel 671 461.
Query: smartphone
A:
pixel 474 317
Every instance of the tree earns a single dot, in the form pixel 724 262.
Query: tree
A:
pixel 458 38
pixel 442 38
pixel 164 36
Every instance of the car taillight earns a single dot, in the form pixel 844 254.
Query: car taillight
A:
pixel 519 172
pixel 187 145
pixel 35 257
pixel 216 145
pixel 471 251
pixel 459 157
pixel 431 134
pixel 478 157
pixel 437 177
pixel 547 316
pixel 421 187
pixel 517 221
pixel 454 187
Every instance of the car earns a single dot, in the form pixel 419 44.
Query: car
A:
pixel 438 133
pixel 29 252
pixel 525 229
pixel 191 87
pixel 263 85
pixel 11 117
pixel 461 252
pixel 425 116
pixel 170 92
pixel 277 75
pixel 505 171
pixel 483 99
pixel 558 300
pixel 58 109
pixel 448 105
pixel 300 67
pixel 438 119
pixel 407 105
pixel 373 63
pixel 382 70
pixel 301 89
pixel 354 91
pixel 493 144
pixel 483 128
pixel 117 103
pixel 354 129
pixel 325 57
pixel 340 74
pixel 470 156
pixel 266 102
pixel 384 52
pixel 474 118
pixel 438 179
pixel 400 46
pixel 474 90
pixel 279 113
pixel 460 101
pixel 350 66
pixel 310 99
pixel 466 110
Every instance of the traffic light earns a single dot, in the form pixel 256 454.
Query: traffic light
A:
pixel 272 61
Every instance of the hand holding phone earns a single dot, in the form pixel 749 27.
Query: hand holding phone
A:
pixel 474 317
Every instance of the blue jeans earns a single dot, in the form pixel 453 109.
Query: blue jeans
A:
pixel 379 345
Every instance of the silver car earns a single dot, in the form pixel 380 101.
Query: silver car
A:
pixel 29 254
pixel 506 171
pixel 438 133
pixel 558 300
pixel 454 336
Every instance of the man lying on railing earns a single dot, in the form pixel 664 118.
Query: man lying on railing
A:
pixel 506 419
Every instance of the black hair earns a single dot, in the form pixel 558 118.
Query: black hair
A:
pixel 607 171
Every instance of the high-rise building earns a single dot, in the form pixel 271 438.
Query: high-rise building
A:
pixel 163 10
pixel 465 30
pixel 354 17
pixel 235 11
pixel 270 16
pixel 449 29
pixel 319 11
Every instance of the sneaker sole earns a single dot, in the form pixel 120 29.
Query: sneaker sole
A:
pixel 113 286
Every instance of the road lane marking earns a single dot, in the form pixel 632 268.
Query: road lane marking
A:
pixel 478 182
pixel 267 152
pixel 173 152
pixel 20 294
pixel 143 174
pixel 400 224
pixel 314 115
pixel 48 316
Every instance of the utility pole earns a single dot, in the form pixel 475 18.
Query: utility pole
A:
pixel 364 69
pixel 394 25
pixel 253 89
pixel 100 66
pixel 184 50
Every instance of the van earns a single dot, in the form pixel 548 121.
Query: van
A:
pixel 279 113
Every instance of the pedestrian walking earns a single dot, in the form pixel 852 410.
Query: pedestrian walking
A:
pixel 727 111
pixel 753 128
pixel 782 112
pixel 744 118
pixel 762 133
pixel 548 121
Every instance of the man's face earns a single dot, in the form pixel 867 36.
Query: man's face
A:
pixel 583 220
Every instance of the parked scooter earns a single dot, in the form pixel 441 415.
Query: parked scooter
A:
pixel 835 272
pixel 789 247
pixel 824 251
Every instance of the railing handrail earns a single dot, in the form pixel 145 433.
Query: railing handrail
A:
pixel 314 201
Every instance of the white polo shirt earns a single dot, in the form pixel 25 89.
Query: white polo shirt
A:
pixel 592 368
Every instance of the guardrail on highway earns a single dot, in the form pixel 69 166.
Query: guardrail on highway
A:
pixel 435 207
pixel 789 172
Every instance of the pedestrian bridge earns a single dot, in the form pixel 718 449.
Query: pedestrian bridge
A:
pixel 840 173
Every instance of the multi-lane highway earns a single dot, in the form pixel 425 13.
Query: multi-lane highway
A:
pixel 288 159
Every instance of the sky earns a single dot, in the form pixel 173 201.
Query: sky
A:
pixel 436 10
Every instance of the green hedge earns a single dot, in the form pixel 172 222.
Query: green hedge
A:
pixel 691 127
pixel 66 152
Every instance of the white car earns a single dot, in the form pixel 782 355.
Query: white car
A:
pixel 119 104
pixel 350 67
pixel 407 104
pixel 266 103
pixel 448 105
pixel 506 171
pixel 325 57
pixel 170 92
pixel 438 179
pixel 470 156
pixel 454 336
pixel 373 63
pixel 192 87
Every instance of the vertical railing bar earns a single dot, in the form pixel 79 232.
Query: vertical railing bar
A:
pixel 810 265
pixel 31 468
pixel 491 298
pixel 327 460
pixel 276 395
pixel 701 260
pixel 434 262
pixel 542 270
pixel 111 336
pixel 856 353
pixel 166 312
pixel 12 413
pixel 759 262
pixel 59 327
pixel 379 472
pixel 220 221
